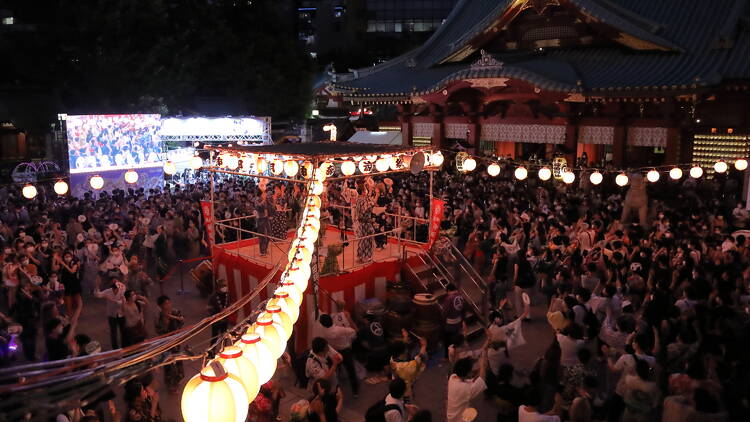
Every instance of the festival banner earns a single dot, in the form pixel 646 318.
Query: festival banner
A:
pixel 208 223
pixel 436 216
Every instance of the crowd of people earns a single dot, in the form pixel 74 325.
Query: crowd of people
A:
pixel 648 316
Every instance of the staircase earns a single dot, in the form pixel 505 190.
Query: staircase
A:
pixel 433 273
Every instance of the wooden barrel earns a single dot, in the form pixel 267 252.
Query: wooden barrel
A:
pixel 427 318
pixel 399 297
pixel 394 322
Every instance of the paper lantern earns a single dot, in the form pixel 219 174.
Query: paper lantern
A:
pixel 675 173
pixel 329 168
pixel 280 317
pixel 365 166
pixel 233 361
pixel 720 166
pixel 696 172
pixel 294 293
pixel 740 164
pixel 545 173
pixel 313 213
pixel 271 334
pixel 96 182
pixel 170 168
pixel 307 170
pixel 596 178
pixel 653 176
pixel 568 177
pixel 258 353
pixel 282 299
pixel 521 173
pixel 291 168
pixel 197 144
pixel 313 201
pixel 232 162
pixel 277 167
pixel 196 162
pixel 213 395
pixel 621 179
pixel 396 162
pixel 261 165
pixel 382 164
pixel 470 164
pixel 131 176
pixel 61 187
pixel 493 169
pixel 28 191
pixel 317 188
pixel 437 159
pixel 321 174
pixel 348 168
pixel 300 275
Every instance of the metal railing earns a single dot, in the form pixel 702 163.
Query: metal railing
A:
pixel 466 278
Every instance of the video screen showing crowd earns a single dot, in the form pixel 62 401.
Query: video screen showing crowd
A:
pixel 105 142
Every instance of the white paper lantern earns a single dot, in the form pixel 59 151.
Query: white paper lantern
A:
pixel 261 165
pixel 131 176
pixel 291 168
pixel 720 166
pixel 621 179
pixel 258 353
pixel 740 164
pixel 382 164
pixel 282 299
pixel 568 176
pixel 29 191
pixel 196 162
pixel 348 168
pixel 696 172
pixel 545 173
pixel 271 334
pixel 521 173
pixel 96 182
pixel 493 169
pixel 653 176
pixel 280 317
pixel 294 293
pixel 365 166
pixel 437 159
pixel 470 164
pixel 675 173
pixel 277 167
pixel 232 162
pixel 393 162
pixel 233 361
pixel 170 168
pixel 596 178
pixel 61 187
pixel 317 188
pixel 213 395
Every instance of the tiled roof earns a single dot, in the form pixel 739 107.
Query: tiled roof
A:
pixel 706 42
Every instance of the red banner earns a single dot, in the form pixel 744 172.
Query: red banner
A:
pixel 436 216
pixel 208 223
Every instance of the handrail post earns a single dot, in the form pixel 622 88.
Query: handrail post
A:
pixel 182 290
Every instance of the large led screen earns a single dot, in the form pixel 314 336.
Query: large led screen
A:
pixel 113 142
pixel 221 128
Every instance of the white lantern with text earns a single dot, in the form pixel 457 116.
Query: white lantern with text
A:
pixel 257 352
pixel 277 167
pixel 213 395
pixel 233 361
pixel 437 159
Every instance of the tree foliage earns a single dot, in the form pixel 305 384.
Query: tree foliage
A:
pixel 116 56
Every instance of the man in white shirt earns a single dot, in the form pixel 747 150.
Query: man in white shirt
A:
pixel 463 387
pixel 322 363
pixel 115 297
pixel 341 338
pixel 395 408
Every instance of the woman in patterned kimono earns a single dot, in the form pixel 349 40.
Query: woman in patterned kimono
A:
pixel 363 223
pixel 278 217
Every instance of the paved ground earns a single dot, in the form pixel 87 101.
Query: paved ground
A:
pixel 430 389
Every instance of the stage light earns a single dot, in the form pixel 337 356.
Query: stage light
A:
pixel 365 166
pixel 437 159
pixel 280 317
pixel 277 167
pixel 596 178
pixel 196 162
pixel 382 165
pixel 696 172
pixel 282 299
pixel 621 179
pixel 740 164
pixel 61 187
pixel 271 334
pixel 28 191
pixel 653 176
pixel 493 169
pixel 675 173
pixel 96 182
pixel 257 352
pixel 131 177
pixel 291 168
pixel 720 166
pixel 545 173
pixel 170 168
pixel 568 177
pixel 214 396
pixel 235 363
pixel 470 164
pixel 521 173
